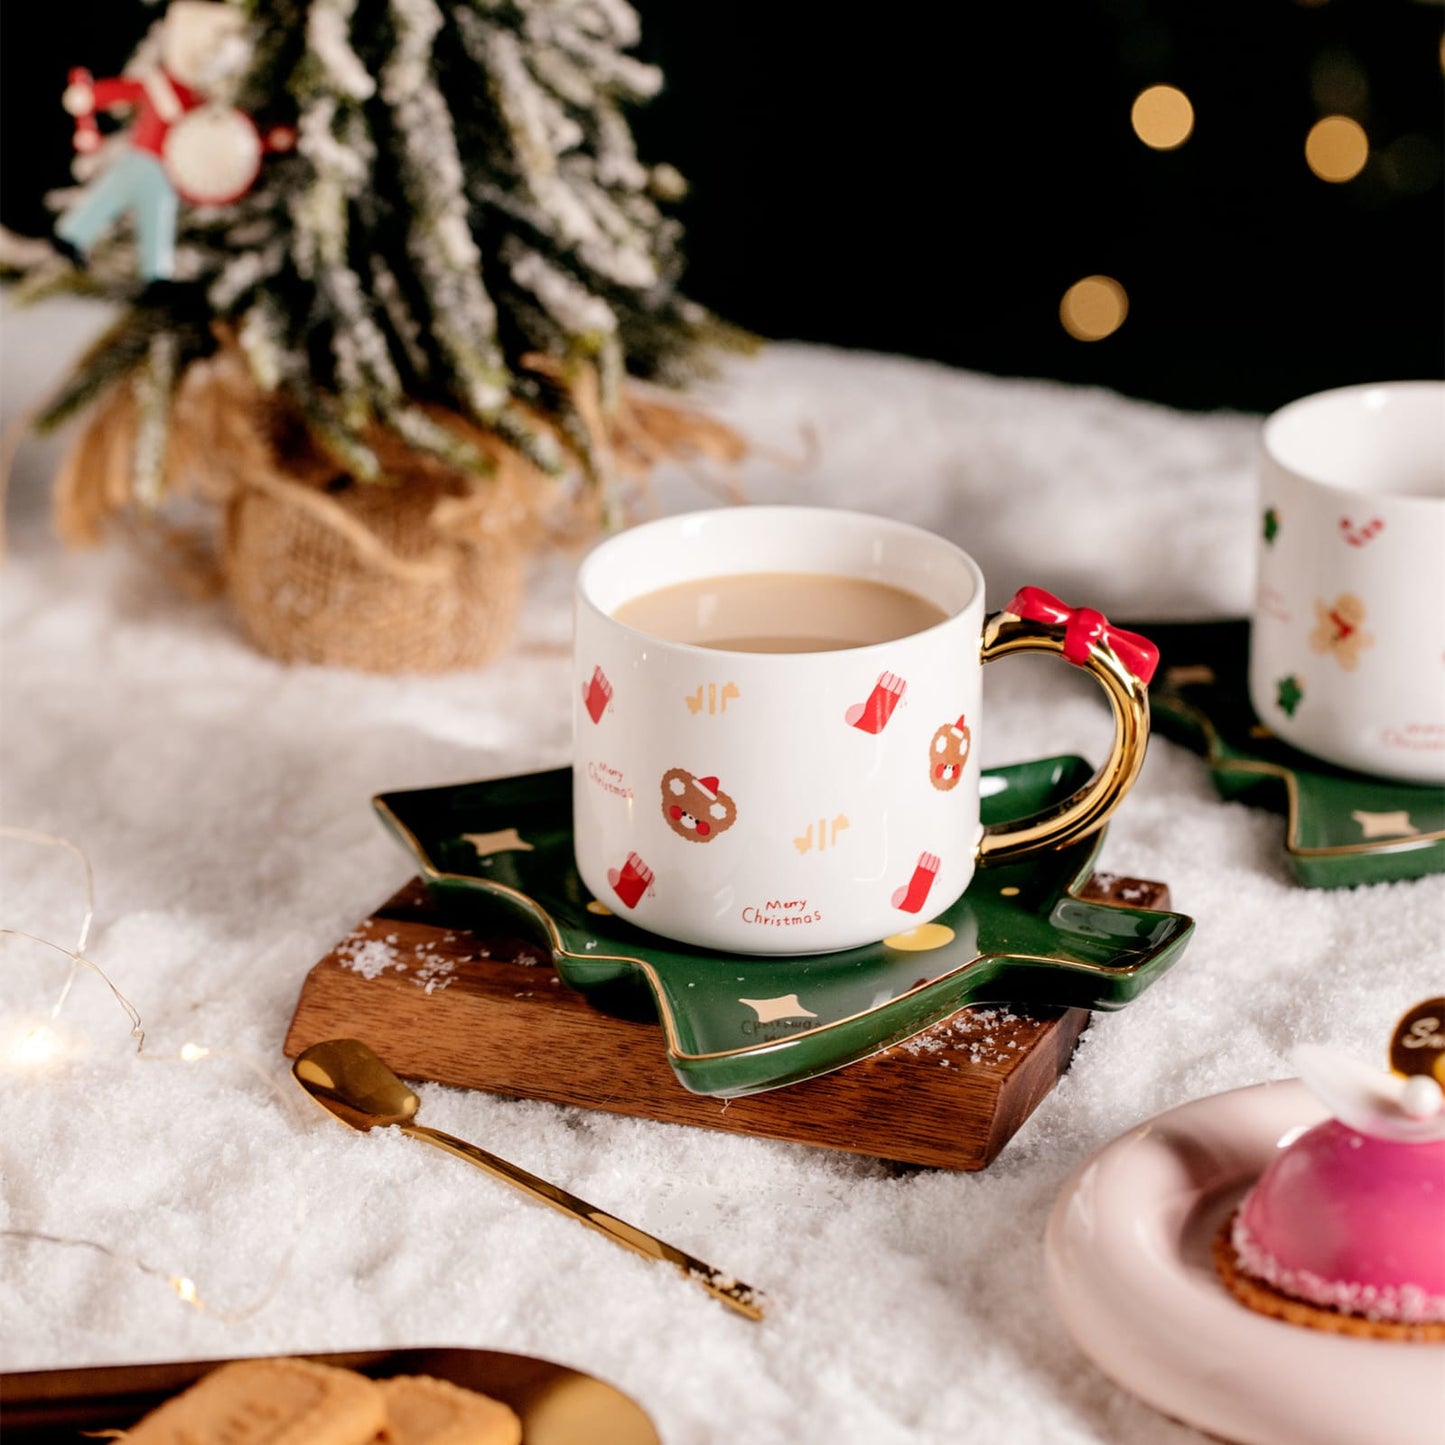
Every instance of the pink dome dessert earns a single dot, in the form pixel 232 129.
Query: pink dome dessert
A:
pixel 1345 1230
pixel 1350 1223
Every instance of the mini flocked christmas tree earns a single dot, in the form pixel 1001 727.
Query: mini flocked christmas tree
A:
pixel 450 253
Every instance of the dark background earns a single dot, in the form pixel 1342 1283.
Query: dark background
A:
pixel 930 179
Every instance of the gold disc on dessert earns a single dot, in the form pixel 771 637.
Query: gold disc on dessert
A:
pixel 1418 1044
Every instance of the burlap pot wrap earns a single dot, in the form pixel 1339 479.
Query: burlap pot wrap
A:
pixel 421 571
pixel 363 579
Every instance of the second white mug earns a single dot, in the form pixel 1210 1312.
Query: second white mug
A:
pixel 1347 653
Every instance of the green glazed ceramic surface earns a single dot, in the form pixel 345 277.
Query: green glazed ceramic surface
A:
pixel 738 1025
pixel 1342 828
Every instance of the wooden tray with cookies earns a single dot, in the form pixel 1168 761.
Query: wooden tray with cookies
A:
pixel 402 1397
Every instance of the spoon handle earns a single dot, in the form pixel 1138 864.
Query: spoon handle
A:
pixel 732 1292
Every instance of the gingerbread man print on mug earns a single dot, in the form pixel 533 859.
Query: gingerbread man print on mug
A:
pixel 947 754
pixel 1339 630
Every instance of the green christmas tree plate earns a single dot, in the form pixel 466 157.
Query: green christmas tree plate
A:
pixel 738 1025
pixel 1341 828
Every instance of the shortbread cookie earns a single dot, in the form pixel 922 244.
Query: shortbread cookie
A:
pixel 424 1411
pixel 269 1402
pixel 1265 1300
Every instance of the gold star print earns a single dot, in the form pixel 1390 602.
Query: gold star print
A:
pixel 507 841
pixel 770 1009
pixel 1384 825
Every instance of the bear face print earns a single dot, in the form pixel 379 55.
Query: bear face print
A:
pixel 695 808
pixel 947 754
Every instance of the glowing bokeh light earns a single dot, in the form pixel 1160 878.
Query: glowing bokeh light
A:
pixel 1162 117
pixel 36 1047
pixel 1337 148
pixel 1094 308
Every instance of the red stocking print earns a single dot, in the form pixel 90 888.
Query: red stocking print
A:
pixel 872 716
pixel 597 694
pixel 912 898
pixel 632 882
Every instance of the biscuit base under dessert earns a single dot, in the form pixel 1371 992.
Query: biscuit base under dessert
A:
pixel 1266 1300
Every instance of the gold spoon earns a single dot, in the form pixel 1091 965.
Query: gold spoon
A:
pixel 346 1077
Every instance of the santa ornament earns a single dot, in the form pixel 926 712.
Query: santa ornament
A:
pixel 333 324
pixel 183 143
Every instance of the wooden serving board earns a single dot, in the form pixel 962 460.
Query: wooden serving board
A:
pixel 456 1006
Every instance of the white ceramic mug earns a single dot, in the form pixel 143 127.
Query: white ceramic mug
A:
pixel 1347 654
pixel 771 803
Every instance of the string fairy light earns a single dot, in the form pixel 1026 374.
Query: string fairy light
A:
pixel 40 1044
pixel 49 840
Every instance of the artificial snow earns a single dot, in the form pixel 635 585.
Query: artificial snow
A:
pixel 223 800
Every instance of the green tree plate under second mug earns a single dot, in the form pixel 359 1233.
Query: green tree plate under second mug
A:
pixel 735 1024
pixel 1342 828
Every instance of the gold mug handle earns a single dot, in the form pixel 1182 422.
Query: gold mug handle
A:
pixel 1123 662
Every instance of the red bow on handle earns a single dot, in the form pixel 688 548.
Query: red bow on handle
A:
pixel 1082 626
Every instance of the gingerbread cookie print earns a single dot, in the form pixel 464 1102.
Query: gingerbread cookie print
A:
pixel 1340 630
pixel 947 754
pixel 696 808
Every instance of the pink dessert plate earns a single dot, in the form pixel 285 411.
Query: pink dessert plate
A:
pixel 1130 1273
